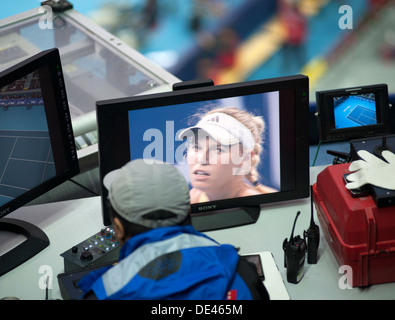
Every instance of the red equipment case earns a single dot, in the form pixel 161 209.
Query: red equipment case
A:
pixel 359 234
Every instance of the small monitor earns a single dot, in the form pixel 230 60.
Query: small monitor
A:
pixel 273 131
pixel 36 142
pixel 351 113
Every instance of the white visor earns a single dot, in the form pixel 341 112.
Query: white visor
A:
pixel 223 128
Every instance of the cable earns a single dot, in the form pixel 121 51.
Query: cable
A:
pixel 316 153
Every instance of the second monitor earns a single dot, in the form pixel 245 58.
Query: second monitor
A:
pixel 351 113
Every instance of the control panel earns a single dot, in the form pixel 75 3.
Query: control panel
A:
pixel 99 249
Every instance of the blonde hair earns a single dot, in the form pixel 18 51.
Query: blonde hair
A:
pixel 257 127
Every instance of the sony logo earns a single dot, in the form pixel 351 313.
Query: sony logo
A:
pixel 205 208
pixel 5 211
pixel 354 90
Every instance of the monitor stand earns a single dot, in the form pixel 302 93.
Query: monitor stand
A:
pixel 227 218
pixel 36 241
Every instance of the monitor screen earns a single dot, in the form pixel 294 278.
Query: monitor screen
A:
pixel 353 112
pixel 37 144
pixel 238 145
pixel 36 137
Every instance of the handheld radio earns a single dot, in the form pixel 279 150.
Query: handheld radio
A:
pixel 313 236
pixel 294 255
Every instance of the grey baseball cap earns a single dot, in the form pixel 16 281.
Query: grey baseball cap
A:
pixel 149 194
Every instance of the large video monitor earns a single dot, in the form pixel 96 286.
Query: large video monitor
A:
pixel 238 145
pixel 351 113
pixel 36 142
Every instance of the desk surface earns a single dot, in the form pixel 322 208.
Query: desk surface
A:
pixel 70 222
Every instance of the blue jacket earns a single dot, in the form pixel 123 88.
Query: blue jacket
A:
pixel 170 263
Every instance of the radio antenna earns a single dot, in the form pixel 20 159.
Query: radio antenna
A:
pixel 312 224
pixel 293 228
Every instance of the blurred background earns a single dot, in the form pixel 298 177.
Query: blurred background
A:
pixel 337 43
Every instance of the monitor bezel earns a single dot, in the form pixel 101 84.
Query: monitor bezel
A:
pixel 325 114
pixel 105 109
pixel 62 138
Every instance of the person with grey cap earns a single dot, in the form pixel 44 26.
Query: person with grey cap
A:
pixel 162 255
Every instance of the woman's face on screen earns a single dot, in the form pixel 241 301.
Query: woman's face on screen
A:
pixel 212 165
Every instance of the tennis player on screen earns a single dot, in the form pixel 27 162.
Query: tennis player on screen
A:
pixel 223 154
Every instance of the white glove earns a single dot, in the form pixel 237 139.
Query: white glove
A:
pixel 372 170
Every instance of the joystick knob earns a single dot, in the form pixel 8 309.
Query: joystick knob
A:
pixel 86 256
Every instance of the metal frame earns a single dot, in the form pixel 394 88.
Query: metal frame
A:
pixel 85 123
